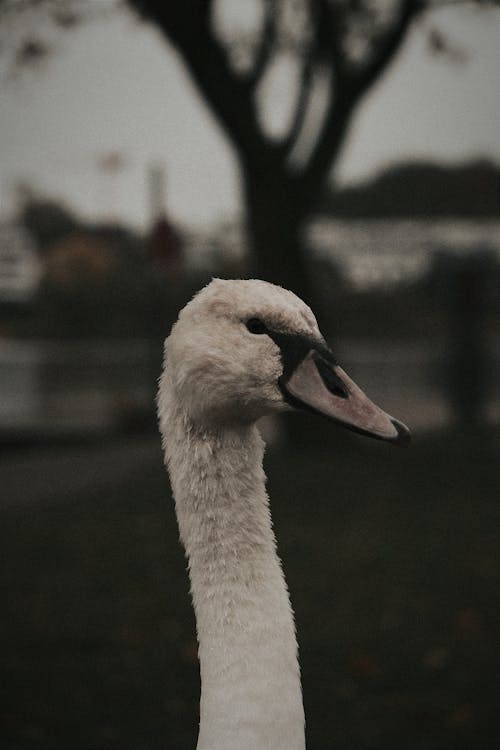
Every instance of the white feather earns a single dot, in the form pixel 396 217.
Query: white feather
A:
pixel 217 381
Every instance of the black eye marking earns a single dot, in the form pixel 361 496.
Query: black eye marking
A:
pixel 295 347
pixel 255 325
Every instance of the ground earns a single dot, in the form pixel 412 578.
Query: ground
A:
pixel 392 560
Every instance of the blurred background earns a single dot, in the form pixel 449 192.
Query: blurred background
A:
pixel 349 152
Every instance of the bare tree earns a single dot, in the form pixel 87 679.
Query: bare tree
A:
pixel 336 50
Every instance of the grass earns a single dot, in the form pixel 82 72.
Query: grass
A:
pixel 393 564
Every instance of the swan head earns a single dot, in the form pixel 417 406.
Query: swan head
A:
pixel 243 349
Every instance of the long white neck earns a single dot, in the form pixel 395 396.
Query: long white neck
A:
pixel 250 682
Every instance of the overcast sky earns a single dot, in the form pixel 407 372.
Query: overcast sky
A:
pixel 115 85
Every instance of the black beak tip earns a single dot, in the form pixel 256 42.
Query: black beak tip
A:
pixel 403 436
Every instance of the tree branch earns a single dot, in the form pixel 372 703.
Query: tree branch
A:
pixel 266 46
pixel 301 106
pixel 329 28
pixel 360 80
pixel 347 86
pixel 187 25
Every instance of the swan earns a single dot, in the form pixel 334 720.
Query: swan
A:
pixel 242 349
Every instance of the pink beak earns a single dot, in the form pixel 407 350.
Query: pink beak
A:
pixel 327 389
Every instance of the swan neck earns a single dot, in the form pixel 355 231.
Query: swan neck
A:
pixel 250 682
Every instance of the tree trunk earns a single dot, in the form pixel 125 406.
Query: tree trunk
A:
pixel 274 222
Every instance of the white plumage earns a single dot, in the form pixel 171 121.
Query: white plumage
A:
pixel 241 350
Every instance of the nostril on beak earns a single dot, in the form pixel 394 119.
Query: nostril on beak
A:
pixel 331 379
pixel 337 391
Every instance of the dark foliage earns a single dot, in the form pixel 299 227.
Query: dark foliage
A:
pixel 471 190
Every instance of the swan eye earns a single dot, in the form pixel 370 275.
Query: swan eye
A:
pixel 255 325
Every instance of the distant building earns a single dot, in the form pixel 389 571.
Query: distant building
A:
pixel 164 244
pixel 79 258
pixel 20 267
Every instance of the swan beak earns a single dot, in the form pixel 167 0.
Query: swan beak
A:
pixel 326 389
